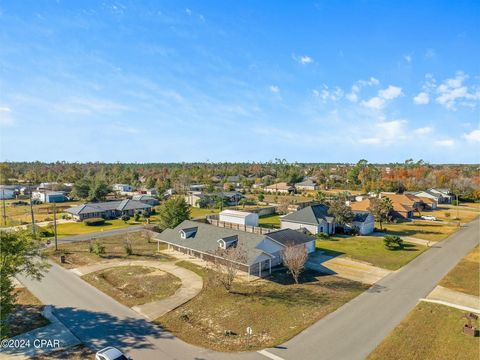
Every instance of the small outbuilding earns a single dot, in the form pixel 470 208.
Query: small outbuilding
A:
pixel 239 217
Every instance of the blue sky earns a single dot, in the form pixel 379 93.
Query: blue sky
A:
pixel 308 81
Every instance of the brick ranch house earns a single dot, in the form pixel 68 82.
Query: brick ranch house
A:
pixel 262 251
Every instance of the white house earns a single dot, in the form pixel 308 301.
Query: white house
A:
pixel 239 217
pixel 123 188
pixel 363 222
pixel 279 188
pixel 308 184
pixel 46 196
pixel 314 218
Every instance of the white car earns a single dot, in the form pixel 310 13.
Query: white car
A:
pixel 429 217
pixel 110 353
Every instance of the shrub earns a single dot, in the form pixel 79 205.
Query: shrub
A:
pixel 136 217
pixel 98 248
pixel 94 222
pixel 354 231
pixel 393 242
pixel 322 236
pixel 125 218
pixel 455 202
pixel 447 214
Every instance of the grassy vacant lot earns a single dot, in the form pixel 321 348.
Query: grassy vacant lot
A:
pixel 27 314
pixel 134 285
pixel 79 352
pixel 370 249
pixel 198 212
pixel 78 254
pixel 16 215
pixel 428 230
pixel 275 308
pixel 429 332
pixel 77 228
pixel 464 215
pixel 270 221
pixel 465 277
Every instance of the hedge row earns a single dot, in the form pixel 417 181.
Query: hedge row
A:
pixel 94 221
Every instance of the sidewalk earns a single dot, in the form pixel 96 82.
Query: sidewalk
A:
pixel 56 335
pixel 192 284
pixel 452 298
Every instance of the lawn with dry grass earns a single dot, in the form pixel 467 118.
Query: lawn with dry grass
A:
pixel 134 285
pixel 452 213
pixel 427 230
pixel 465 277
pixel 370 249
pixel 27 314
pixel 275 308
pixel 429 332
pixel 78 254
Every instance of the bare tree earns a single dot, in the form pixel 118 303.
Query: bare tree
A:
pixel 283 204
pixel 227 264
pixel 294 258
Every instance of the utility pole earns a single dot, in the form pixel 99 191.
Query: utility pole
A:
pixel 31 212
pixel 55 225
pixel 4 208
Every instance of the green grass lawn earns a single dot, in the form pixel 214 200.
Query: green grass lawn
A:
pixel 271 221
pixel 198 212
pixel 370 249
pixel 465 277
pixel 77 228
pixel 134 285
pixel 427 230
pixel 275 308
pixel 429 332
pixel 77 253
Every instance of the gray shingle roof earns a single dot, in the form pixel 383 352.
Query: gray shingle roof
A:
pixel 106 206
pixel 289 237
pixel 360 216
pixel 206 238
pixel 310 215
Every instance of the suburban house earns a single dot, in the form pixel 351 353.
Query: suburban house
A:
pixel 199 199
pixel 239 217
pixel 314 218
pixel 402 211
pixel 146 199
pixel 262 251
pixel 122 188
pixel 108 209
pixel 405 199
pixel 279 188
pixel 441 196
pixel 428 203
pixel 308 184
pixel 363 222
pixel 46 196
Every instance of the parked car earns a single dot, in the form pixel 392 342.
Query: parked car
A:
pixel 429 217
pixel 110 353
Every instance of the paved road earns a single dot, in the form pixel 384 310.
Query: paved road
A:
pixel 350 333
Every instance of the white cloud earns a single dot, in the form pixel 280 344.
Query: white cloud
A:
pixel 390 92
pixel 452 92
pixel 473 135
pixel 6 118
pixel 374 103
pixel 303 59
pixel 371 141
pixel 407 58
pixel 445 143
pixel 379 101
pixel 423 130
pixel 391 130
pixel 422 98
pixel 358 85
pixel 275 89
pixel 188 11
pixel 326 93
pixel 90 106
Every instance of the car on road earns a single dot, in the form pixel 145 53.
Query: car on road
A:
pixel 110 353
pixel 429 217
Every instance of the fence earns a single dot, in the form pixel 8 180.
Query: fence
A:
pixel 213 220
